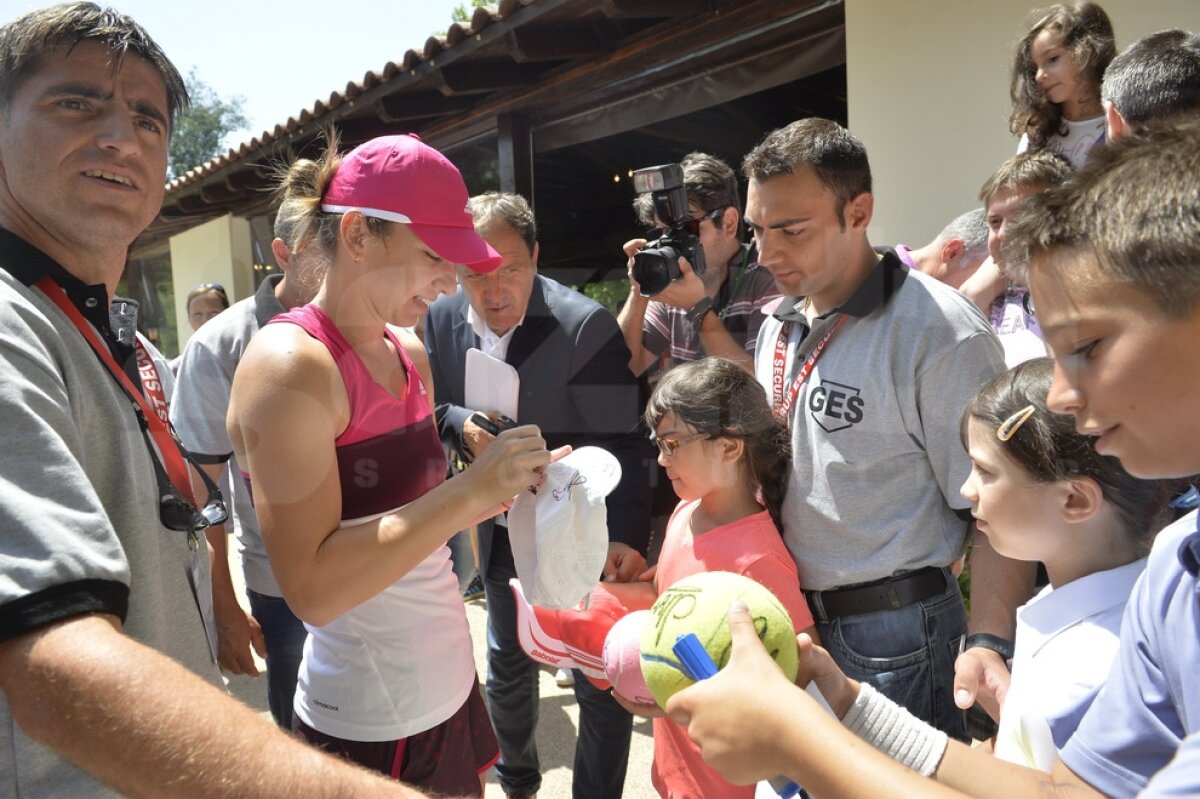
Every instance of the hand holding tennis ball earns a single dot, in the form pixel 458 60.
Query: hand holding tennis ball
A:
pixel 700 604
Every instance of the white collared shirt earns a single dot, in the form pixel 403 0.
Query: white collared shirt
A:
pixel 489 342
pixel 495 346
pixel 1066 641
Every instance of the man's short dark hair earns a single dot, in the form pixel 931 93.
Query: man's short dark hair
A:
pixel 833 153
pixel 710 183
pixel 26 39
pixel 1134 209
pixel 1029 170
pixel 505 208
pixel 1155 78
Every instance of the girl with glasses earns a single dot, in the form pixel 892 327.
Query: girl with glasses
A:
pixel 728 460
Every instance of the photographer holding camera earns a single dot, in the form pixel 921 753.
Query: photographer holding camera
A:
pixel 709 304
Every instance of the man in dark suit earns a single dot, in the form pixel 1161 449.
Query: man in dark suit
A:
pixel 577 387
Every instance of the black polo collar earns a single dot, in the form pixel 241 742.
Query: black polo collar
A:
pixel 28 264
pixel 266 305
pixel 877 288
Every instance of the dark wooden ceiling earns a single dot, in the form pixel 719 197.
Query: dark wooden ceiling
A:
pixel 546 60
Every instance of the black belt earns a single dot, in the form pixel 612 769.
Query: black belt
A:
pixel 886 594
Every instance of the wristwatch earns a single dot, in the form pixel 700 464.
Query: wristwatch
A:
pixel 696 313
pixel 1000 646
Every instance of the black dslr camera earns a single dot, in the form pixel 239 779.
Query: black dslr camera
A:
pixel 657 264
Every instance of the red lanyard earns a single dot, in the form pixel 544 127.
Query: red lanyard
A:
pixel 154 409
pixel 781 403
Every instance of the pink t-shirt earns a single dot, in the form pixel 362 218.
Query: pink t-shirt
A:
pixel 751 547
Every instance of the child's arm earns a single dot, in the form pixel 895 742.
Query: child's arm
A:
pixel 972 770
pixel 751 724
pixel 983 287
pixel 633 596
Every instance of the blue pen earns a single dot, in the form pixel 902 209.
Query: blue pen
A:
pixel 699 665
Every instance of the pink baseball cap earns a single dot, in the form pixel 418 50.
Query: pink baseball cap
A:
pixel 402 179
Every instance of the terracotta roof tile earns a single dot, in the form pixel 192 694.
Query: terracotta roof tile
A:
pixel 434 46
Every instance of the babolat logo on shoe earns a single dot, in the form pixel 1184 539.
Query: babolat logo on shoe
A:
pixel 835 406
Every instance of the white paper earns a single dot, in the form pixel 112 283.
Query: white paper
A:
pixel 491 384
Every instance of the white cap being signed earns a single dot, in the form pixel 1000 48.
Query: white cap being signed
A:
pixel 559 529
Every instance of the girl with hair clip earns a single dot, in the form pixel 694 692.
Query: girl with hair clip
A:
pixel 1039 491
pixel 331 414
pixel 727 457
pixel 1056 75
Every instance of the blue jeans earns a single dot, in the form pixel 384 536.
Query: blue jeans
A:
pixel 284 635
pixel 605 728
pixel 602 751
pixel 907 654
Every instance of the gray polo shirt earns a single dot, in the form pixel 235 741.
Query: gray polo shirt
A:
pixel 877 461
pixel 79 524
pixel 198 412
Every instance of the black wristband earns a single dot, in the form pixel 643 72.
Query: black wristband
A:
pixel 696 313
pixel 1001 646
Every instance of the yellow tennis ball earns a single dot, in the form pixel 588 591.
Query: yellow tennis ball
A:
pixel 700 604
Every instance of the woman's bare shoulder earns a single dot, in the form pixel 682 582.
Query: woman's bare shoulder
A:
pixel 284 365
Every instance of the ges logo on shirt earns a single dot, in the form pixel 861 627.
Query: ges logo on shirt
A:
pixel 835 406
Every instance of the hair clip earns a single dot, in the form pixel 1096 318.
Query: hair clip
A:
pixel 1012 424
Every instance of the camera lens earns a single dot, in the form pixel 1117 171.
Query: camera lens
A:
pixel 654 268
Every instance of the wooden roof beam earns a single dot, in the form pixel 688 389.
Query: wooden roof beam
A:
pixel 484 78
pixel 254 176
pixel 218 193
pixel 186 206
pixel 651 9
pixel 419 105
pixel 555 42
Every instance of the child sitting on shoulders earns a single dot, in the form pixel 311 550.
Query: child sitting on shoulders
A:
pixel 1056 75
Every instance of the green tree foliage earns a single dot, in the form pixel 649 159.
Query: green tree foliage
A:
pixel 459 14
pixel 610 293
pixel 200 133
